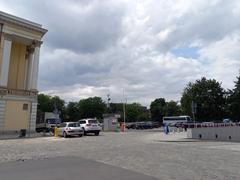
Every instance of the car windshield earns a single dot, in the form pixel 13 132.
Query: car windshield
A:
pixel 74 125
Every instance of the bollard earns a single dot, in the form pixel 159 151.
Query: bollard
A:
pixel 55 132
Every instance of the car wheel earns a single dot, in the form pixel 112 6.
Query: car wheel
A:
pixel 97 133
pixel 80 135
pixel 64 134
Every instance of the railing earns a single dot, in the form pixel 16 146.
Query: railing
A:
pixel 18 92
pixel 207 125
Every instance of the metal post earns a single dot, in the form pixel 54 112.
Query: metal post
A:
pixel 124 111
pixel 194 109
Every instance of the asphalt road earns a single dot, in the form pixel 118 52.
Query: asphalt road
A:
pixel 66 168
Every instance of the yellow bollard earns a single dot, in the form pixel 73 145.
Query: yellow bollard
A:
pixel 55 132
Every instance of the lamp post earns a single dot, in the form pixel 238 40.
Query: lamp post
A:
pixel 194 111
pixel 124 110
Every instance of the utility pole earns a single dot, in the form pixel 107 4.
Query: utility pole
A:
pixel 194 110
pixel 108 101
pixel 124 110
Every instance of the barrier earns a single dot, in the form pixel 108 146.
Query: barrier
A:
pixel 219 133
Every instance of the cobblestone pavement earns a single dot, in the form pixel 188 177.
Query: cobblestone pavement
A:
pixel 151 153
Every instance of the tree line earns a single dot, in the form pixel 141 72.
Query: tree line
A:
pixel 204 98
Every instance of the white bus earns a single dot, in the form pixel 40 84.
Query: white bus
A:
pixel 172 120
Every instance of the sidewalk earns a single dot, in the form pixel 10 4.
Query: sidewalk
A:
pixel 16 136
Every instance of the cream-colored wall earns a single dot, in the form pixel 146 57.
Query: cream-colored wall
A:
pixel 15 117
pixel 17 68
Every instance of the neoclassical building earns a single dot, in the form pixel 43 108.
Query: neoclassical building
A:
pixel 20 43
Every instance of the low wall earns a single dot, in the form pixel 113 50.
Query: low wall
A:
pixel 229 133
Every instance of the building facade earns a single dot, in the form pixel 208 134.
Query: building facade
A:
pixel 20 43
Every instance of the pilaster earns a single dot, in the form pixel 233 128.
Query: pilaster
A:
pixel 33 116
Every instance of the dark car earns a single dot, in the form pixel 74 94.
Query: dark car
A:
pixel 144 125
pixel 149 125
pixel 156 124
pixel 131 126
pixel 139 125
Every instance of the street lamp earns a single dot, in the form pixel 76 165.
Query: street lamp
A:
pixel 194 110
pixel 124 111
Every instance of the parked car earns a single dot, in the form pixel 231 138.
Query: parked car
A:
pixel 142 125
pixel 149 125
pixel 90 126
pixel 156 124
pixel 227 120
pixel 131 126
pixel 69 129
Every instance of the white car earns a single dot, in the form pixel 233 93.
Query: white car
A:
pixel 69 129
pixel 90 126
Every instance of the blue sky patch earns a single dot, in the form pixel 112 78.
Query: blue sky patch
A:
pixel 186 52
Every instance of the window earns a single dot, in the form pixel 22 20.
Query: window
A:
pixel 73 125
pixel 25 107
pixel 93 121
pixel 82 122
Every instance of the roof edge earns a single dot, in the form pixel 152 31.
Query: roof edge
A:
pixel 21 22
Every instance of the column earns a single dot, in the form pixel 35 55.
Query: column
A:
pixel 35 68
pixel 30 69
pixel 7 45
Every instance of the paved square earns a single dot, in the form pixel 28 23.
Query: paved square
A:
pixel 146 152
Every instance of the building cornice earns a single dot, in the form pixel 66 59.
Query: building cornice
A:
pixel 8 18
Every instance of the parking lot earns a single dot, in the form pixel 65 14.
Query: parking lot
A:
pixel 146 152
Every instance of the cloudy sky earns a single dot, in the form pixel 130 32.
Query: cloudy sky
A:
pixel 149 48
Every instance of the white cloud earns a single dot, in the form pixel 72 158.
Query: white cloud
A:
pixel 223 59
pixel 99 46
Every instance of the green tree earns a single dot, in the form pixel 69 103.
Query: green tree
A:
pixel 44 103
pixel 144 116
pixel 172 109
pixel 48 103
pixel 91 107
pixel 73 111
pixel 58 103
pixel 234 101
pixel 116 108
pixel 209 97
pixel 157 109
pixel 132 112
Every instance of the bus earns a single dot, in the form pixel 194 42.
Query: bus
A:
pixel 173 120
